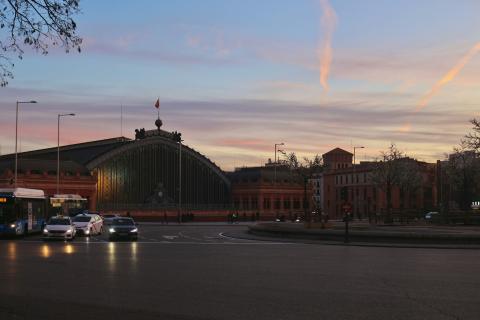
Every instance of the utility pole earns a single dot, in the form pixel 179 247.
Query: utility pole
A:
pixel 16 139
pixel 58 147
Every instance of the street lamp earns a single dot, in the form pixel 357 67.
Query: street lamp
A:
pixel 58 147
pixel 180 177
pixel 16 139
pixel 275 163
pixel 354 180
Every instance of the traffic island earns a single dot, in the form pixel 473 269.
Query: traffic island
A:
pixel 418 235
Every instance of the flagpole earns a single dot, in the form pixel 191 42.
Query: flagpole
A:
pixel 121 120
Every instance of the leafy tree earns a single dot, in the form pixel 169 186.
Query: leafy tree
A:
pixel 38 24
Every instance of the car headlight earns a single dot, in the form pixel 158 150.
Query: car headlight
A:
pixel 87 231
pixel 134 230
pixel 45 230
pixel 12 225
pixel 111 230
pixel 69 231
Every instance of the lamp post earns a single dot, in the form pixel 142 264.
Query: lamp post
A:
pixel 354 180
pixel 180 177
pixel 275 162
pixel 58 147
pixel 16 139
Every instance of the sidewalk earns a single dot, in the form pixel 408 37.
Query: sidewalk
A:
pixel 374 234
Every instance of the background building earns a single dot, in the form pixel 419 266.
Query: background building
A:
pixel 271 191
pixel 346 184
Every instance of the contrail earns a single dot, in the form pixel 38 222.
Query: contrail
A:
pixel 328 22
pixel 449 76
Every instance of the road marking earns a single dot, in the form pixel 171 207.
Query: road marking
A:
pixel 188 237
pixel 222 235
pixel 170 237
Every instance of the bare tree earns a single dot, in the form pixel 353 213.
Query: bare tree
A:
pixel 305 169
pixel 463 170
pixel 38 24
pixel 472 139
pixel 387 173
pixel 410 180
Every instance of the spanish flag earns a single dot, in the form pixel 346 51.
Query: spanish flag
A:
pixel 157 104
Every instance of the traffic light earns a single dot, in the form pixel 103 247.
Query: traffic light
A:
pixel 344 193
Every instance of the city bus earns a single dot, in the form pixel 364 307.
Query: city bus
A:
pixel 67 204
pixel 22 211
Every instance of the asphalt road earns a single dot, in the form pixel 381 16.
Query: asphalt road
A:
pixel 200 272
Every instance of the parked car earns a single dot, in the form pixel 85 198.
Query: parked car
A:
pixel 88 224
pixel 59 227
pixel 430 216
pixel 108 218
pixel 123 228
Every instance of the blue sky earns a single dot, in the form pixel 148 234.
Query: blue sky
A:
pixel 238 76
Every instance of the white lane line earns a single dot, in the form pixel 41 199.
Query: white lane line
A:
pixel 222 235
pixel 166 242
pixel 170 237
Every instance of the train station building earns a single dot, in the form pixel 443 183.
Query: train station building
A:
pixel 121 174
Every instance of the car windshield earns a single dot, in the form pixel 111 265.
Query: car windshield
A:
pixel 81 219
pixel 58 221
pixel 109 215
pixel 123 222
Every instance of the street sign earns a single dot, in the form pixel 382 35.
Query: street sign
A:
pixel 347 207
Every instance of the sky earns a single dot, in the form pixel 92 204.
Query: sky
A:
pixel 236 77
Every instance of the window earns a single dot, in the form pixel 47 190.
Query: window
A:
pixel 296 203
pixel 277 204
pixel 266 203
pixel 286 203
pixel 254 203
pixel 245 204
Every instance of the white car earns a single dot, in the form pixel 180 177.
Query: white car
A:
pixel 59 227
pixel 88 224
